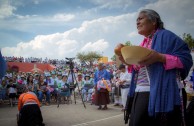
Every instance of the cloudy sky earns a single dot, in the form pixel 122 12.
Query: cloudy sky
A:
pixel 61 28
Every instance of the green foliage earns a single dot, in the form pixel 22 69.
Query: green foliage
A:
pixel 113 58
pixel 128 43
pixel 189 40
pixel 90 57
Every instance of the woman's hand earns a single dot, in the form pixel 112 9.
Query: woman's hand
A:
pixel 123 61
pixel 121 82
pixel 153 57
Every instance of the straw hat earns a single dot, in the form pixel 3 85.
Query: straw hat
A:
pixel 79 74
pixel 134 54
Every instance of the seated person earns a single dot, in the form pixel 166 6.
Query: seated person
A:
pixel 42 89
pixel 87 88
pixel 80 83
pixel 64 89
pixel 50 83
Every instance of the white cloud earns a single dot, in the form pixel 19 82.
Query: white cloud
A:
pixel 6 9
pixel 63 17
pixel 98 46
pixel 36 1
pixel 190 22
pixel 36 23
pixel 52 46
pixel 104 33
pixel 59 17
pixel 99 35
pixel 110 4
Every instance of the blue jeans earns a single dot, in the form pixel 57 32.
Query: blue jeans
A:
pixel 40 96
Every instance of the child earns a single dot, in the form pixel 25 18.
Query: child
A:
pixel 12 92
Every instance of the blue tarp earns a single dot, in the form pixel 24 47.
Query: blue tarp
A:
pixel 3 66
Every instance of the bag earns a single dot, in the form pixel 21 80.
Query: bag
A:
pixel 88 86
pixel 64 89
pixel 124 86
pixel 190 113
pixel 128 108
pixel 103 90
pixel 72 86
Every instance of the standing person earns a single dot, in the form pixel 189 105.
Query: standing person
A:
pixel 29 110
pixel 102 94
pixel 116 89
pixel 155 83
pixel 124 82
pixel 12 92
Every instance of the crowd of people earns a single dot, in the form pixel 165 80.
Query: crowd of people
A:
pixel 50 83
pixel 33 60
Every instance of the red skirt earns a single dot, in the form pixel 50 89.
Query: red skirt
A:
pixel 101 97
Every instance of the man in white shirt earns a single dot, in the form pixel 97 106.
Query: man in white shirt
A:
pixel 124 82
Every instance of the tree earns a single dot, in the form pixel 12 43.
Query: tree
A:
pixel 90 57
pixel 189 40
pixel 127 43
pixel 113 58
pixel 81 56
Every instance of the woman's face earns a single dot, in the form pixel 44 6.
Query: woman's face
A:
pixel 64 78
pixel 31 78
pixel 144 26
pixel 41 78
pixel 123 70
pixel 87 78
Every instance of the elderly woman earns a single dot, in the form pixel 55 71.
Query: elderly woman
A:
pixel 64 89
pixel 102 94
pixel 155 87
pixel 87 88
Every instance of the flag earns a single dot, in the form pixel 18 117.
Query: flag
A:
pixel 3 66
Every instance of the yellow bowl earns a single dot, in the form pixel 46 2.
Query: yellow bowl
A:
pixel 134 54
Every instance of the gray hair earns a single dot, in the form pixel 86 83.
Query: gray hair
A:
pixel 154 17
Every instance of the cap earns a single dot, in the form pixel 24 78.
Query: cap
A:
pixel 87 75
pixel 65 75
pixel 22 76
